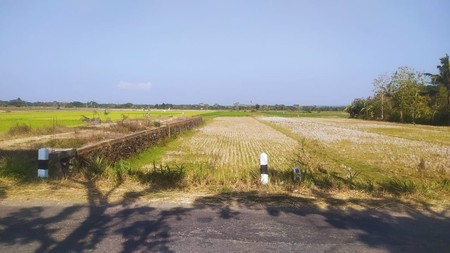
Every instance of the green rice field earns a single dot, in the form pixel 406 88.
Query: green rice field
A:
pixel 72 118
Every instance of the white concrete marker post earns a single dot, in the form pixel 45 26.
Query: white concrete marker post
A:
pixel 43 162
pixel 264 168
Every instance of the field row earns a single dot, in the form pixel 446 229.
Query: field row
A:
pixel 234 144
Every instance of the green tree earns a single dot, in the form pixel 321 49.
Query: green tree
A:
pixel 407 88
pixel 383 90
pixel 356 108
pixel 17 102
pixel 444 77
pixel 442 80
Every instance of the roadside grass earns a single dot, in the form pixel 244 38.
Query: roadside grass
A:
pixel 18 166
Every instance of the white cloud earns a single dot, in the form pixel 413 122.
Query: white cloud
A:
pixel 144 86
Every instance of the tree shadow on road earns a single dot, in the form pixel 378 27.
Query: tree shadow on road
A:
pixel 386 223
pixel 84 227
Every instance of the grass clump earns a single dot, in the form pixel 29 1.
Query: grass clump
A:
pixel 163 176
pixel 398 186
pixel 20 166
pixel 93 168
pixel 156 123
pixel 20 129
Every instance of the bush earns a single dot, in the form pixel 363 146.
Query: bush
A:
pixel 20 129
pixel 92 169
pixel 156 124
pixel 19 165
pixel 118 171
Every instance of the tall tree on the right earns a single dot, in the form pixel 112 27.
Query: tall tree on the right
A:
pixel 443 81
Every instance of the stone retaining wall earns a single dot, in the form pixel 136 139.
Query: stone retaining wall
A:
pixel 124 147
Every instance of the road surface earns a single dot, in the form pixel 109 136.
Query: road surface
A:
pixel 214 227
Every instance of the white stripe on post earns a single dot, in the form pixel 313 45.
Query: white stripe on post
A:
pixel 263 161
pixel 43 162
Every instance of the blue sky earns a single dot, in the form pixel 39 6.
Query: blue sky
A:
pixel 265 52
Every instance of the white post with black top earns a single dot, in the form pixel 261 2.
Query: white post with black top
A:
pixel 43 162
pixel 264 168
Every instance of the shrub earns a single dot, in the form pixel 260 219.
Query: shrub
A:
pixel 156 123
pixel 368 186
pixel 19 165
pixel 19 129
pixel 92 169
pixel 118 171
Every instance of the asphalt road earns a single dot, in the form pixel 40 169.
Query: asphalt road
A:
pixel 215 227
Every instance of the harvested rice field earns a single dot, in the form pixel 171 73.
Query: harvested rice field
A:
pixel 375 147
pixel 235 143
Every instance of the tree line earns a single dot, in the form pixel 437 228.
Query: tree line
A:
pixel 165 106
pixel 408 96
